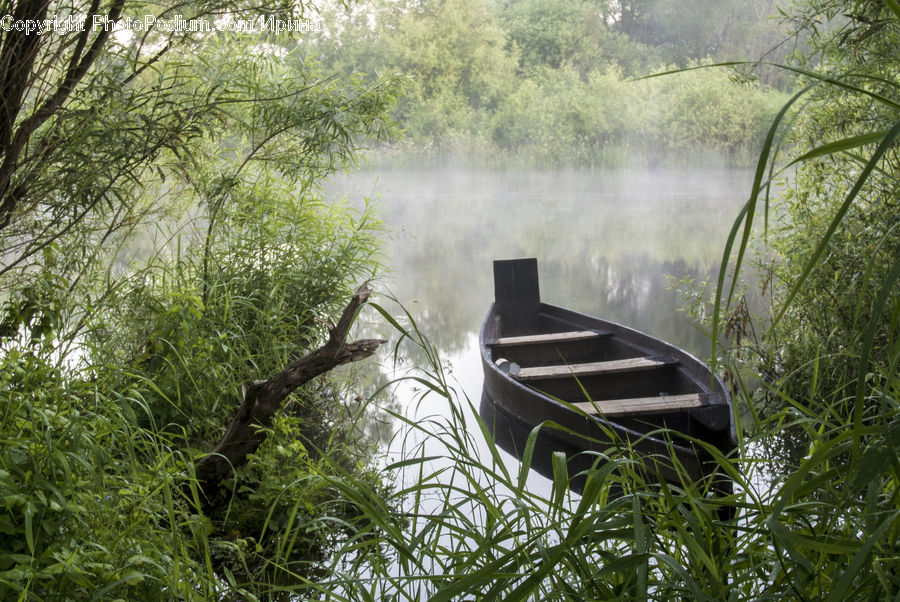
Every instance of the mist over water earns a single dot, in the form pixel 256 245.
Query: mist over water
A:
pixel 605 243
pixel 605 240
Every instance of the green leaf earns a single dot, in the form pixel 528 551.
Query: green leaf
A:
pixel 841 145
pixel 894 6
pixel 887 288
pixel 886 143
pixel 560 477
pixel 847 578
pixel 29 531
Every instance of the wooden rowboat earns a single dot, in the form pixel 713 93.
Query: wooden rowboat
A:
pixel 602 382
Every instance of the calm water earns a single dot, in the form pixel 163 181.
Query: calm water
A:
pixel 605 243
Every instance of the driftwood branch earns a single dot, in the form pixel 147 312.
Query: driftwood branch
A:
pixel 263 399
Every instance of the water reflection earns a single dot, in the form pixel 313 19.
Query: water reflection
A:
pixel 605 242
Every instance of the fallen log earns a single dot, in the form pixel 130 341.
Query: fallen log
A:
pixel 264 398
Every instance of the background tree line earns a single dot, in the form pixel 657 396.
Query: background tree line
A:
pixel 551 82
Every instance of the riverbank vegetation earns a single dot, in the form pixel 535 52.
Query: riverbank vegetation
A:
pixel 545 84
pixel 816 500
pixel 166 261
pixel 165 253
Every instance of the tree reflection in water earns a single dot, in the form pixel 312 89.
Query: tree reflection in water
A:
pixel 605 240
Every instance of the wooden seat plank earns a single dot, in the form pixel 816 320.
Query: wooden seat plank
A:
pixel 550 337
pixel 594 368
pixel 644 405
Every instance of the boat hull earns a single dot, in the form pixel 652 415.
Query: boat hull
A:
pixel 596 385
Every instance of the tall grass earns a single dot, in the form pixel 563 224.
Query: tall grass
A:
pixel 465 525
pixel 821 522
pixel 471 529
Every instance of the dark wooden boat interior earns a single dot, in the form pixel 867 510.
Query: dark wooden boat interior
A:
pixel 603 373
pixel 535 355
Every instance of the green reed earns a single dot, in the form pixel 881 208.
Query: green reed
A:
pixel 824 527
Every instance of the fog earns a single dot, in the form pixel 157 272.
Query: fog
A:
pixel 605 240
pixel 608 243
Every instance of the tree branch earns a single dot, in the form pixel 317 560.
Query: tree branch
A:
pixel 13 144
pixel 263 399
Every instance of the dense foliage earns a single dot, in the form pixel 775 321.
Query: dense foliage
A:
pixel 164 244
pixel 821 522
pixel 549 83
pixel 823 332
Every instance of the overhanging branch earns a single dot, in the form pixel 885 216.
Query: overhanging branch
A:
pixel 263 399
